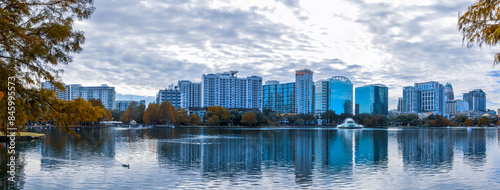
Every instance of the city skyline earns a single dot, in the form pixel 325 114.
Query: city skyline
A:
pixel 406 42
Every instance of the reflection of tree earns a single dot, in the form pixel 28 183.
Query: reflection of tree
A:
pixel 60 148
pixel 20 163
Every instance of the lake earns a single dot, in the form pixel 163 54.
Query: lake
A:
pixel 267 158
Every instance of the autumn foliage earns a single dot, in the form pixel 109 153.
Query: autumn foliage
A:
pixel 249 119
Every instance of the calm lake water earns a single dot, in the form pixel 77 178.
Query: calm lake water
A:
pixel 194 158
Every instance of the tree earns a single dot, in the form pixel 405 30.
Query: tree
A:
pixel 374 121
pixel 468 122
pixel 72 113
pixel 107 116
pixel 181 116
pixel 480 24
pixel 249 119
pixel 223 116
pixel 366 121
pixel 36 36
pixel 329 116
pixel 195 119
pixel 167 113
pixel 484 121
pixel 152 114
pixel 130 113
pixel 214 120
pixel 498 123
pixel 116 114
pixel 141 109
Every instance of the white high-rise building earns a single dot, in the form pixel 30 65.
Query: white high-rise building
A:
pixel 190 94
pixel 229 91
pixel 321 96
pixel 73 91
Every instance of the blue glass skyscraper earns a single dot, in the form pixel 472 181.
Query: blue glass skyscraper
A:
pixel 279 97
pixel 372 99
pixel 341 95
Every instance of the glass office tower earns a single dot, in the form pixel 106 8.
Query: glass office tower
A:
pixel 341 95
pixel 279 97
pixel 372 99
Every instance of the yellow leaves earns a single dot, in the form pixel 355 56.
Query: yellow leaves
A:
pixel 1 95
pixel 195 119
pixel 152 114
pixel 249 119
pixel 222 115
pixel 480 24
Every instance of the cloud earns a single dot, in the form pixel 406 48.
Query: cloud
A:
pixel 141 47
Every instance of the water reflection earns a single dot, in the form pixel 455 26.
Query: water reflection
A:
pixel 304 157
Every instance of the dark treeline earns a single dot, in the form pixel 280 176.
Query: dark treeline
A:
pixel 165 113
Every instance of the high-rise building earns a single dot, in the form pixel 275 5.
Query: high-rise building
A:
pixel 227 90
pixel 372 99
pixel 400 105
pixel 304 91
pixel 341 95
pixel 190 94
pixel 122 105
pixel 62 95
pixel 476 99
pixel 171 95
pixel 448 92
pixel 321 96
pixel 456 107
pixel 279 97
pixel 424 97
pixel 73 91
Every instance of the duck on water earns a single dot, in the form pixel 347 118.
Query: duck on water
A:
pixel 349 124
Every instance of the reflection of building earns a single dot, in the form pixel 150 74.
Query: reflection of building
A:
pixel 426 148
pixel 227 90
pixel 341 95
pixel 474 147
pixel 304 91
pixel 476 99
pixel 321 96
pixel 372 99
pixel 279 97
pixel 424 97
pixel 122 105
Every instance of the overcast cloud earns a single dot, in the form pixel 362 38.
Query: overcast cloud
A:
pixel 141 47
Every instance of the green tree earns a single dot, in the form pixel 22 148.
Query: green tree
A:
pixel 141 109
pixel 366 121
pixel 195 119
pixel 329 116
pixel 480 24
pixel 249 119
pixel 37 36
pixel 116 114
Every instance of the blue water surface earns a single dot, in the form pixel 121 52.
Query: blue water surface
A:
pixel 250 158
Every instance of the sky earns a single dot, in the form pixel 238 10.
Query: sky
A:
pixel 140 47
